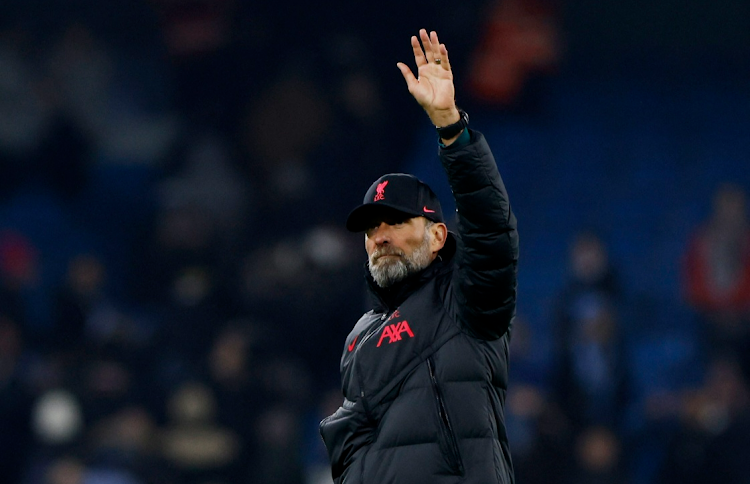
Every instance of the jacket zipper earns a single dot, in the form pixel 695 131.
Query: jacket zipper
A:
pixel 445 427
pixel 384 321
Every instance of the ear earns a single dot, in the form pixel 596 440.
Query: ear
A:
pixel 439 233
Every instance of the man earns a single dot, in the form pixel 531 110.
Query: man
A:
pixel 424 373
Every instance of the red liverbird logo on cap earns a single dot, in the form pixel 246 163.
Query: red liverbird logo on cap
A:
pixel 380 189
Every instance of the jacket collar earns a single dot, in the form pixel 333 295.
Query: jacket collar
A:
pixel 389 298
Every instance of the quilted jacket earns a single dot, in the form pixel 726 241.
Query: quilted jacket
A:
pixel 425 372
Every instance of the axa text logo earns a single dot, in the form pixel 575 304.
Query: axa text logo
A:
pixel 380 189
pixel 394 332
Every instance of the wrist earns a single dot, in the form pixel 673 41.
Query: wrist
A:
pixel 449 132
pixel 444 117
pixel 463 139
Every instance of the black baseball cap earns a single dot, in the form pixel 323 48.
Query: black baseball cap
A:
pixel 401 193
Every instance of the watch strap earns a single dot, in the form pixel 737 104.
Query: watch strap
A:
pixel 448 132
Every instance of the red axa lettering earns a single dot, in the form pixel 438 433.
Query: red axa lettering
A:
pixel 394 332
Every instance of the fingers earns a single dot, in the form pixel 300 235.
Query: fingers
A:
pixel 430 44
pixel 434 43
pixel 428 50
pixel 444 62
pixel 426 45
pixel 419 56
pixel 431 50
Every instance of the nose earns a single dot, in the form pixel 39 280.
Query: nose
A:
pixel 380 234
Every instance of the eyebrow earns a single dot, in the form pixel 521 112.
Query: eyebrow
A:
pixel 390 220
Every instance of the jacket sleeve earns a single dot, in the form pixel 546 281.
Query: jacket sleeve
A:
pixel 485 281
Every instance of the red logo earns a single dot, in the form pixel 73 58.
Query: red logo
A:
pixel 394 331
pixel 354 342
pixel 380 189
pixel 427 209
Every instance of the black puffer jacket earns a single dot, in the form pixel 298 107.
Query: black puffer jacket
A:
pixel 425 373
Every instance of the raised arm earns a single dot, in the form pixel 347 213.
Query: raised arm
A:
pixel 485 282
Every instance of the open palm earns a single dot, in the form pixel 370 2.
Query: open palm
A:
pixel 433 86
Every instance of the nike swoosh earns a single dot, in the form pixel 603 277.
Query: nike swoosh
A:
pixel 351 345
pixel 427 209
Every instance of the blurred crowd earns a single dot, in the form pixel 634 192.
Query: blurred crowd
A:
pixel 176 284
pixel 611 408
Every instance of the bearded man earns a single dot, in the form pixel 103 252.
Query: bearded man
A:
pixel 425 372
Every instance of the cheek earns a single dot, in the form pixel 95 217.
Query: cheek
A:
pixel 369 246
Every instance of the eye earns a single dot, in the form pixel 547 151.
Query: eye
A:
pixel 400 222
pixel 397 220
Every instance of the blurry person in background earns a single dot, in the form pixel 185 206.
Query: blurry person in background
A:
pixel 425 371
pixel 278 459
pixel 66 470
pixel 195 446
pixel 283 166
pixel 182 280
pixel 713 441
pixel 24 113
pixel 541 434
pixel 19 280
pixel 520 46
pixel 121 448
pixel 591 274
pixel 717 273
pixel 232 371
pixel 184 237
pixel 88 320
pixel 300 275
pixel 590 370
pixel 598 457
pixel 203 43
pixel 80 294
pixel 15 403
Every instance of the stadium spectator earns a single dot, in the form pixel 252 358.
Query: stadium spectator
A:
pixel 193 443
pixel 598 457
pixel 717 273
pixel 541 433
pixel 711 444
pixel 15 403
pixel 590 377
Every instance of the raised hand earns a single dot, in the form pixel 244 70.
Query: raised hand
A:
pixel 433 86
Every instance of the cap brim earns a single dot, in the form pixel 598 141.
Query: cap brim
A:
pixel 363 216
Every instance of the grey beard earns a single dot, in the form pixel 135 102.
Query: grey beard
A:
pixel 387 272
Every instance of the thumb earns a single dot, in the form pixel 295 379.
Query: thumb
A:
pixel 408 75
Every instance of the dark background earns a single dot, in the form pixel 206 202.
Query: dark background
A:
pixel 177 284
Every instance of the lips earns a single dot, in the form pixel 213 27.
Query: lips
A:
pixel 387 254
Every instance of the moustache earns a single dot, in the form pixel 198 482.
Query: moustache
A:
pixel 383 252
